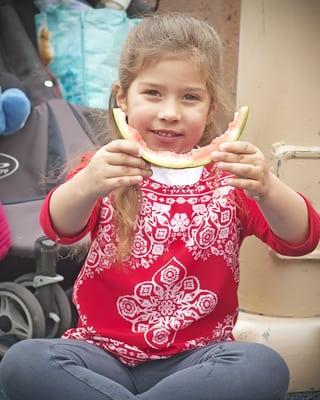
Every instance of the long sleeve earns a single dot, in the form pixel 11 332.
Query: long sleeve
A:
pixel 46 221
pixel 254 223
pixel 49 230
pixel 5 241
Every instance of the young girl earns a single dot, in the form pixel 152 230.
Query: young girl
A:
pixel 157 295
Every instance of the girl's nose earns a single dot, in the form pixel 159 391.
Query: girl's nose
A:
pixel 169 112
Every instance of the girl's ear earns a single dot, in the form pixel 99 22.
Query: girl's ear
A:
pixel 121 98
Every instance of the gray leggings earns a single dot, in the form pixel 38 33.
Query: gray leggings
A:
pixel 62 369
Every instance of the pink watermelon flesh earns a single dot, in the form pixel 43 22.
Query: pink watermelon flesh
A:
pixel 196 157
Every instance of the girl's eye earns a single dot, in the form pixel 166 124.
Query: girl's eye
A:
pixel 190 97
pixel 152 92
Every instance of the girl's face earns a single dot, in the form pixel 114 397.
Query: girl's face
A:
pixel 169 105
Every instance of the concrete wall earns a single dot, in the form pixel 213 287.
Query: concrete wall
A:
pixel 279 78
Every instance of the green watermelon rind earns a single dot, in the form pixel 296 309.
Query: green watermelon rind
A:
pixel 173 160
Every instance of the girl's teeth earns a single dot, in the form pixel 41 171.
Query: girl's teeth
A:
pixel 165 134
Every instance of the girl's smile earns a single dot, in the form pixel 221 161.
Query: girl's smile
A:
pixel 167 136
pixel 168 103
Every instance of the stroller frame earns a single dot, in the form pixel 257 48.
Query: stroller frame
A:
pixel 35 304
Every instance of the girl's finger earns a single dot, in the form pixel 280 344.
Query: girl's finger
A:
pixel 232 157
pixel 254 156
pixel 125 171
pixel 122 146
pixel 122 181
pixel 247 171
pixel 124 159
pixel 238 147
pixel 251 185
pixel 120 154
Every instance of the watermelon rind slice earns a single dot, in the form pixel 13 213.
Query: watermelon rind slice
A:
pixel 196 157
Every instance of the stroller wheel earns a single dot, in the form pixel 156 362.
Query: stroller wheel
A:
pixel 58 316
pixel 21 315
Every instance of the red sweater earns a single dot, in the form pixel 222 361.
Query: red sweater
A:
pixel 179 288
pixel 5 241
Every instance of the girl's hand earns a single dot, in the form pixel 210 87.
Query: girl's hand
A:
pixel 248 165
pixel 113 165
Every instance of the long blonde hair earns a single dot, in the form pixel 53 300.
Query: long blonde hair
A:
pixel 158 36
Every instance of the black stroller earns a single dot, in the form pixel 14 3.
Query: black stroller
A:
pixel 33 304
